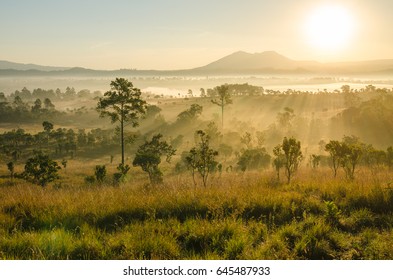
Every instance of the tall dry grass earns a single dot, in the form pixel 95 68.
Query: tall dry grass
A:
pixel 238 216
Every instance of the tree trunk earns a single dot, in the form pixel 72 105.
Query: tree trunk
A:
pixel 222 115
pixel 122 137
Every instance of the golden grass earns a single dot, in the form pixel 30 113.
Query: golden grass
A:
pixel 238 216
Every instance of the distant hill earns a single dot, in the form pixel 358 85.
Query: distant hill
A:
pixel 265 62
pixel 272 62
pixel 20 66
pixel 238 63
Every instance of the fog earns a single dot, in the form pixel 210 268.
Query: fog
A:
pixel 173 85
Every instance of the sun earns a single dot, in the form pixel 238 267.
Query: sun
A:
pixel 330 28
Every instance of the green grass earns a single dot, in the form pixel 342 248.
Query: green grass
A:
pixel 238 216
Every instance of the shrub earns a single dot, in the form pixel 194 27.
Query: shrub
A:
pixel 100 173
pixel 332 213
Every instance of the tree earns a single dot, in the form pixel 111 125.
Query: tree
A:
pixel 203 92
pixel 223 99
pixel 334 149
pixel 279 160
pixel 246 139
pixel 315 160
pixel 37 106
pixel 47 126
pixel 352 151
pixel 41 170
pixel 293 156
pixel 122 104
pixel 214 134
pixel 351 98
pixel 148 157
pixel 285 118
pixel 192 162
pixel 11 169
pixel 253 159
pixel 152 111
pixel 190 114
pixel 49 105
pixel 346 154
pixel 202 158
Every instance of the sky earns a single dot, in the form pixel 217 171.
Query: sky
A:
pixel 183 34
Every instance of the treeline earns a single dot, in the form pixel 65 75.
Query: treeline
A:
pixel 55 95
pixel 39 105
pixel 235 90
pixel 18 145
pixel 18 110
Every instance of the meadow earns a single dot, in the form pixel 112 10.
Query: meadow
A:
pixel 237 216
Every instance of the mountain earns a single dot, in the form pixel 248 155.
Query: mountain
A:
pixel 20 66
pixel 265 62
pixel 271 62
pixel 238 63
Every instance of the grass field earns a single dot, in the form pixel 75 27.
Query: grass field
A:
pixel 238 216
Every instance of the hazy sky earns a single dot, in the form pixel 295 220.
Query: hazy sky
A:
pixel 174 34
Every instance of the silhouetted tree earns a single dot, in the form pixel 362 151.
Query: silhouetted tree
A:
pixel 285 118
pixel 148 157
pixel 11 169
pixel 335 151
pixel 37 107
pixel 351 98
pixel 48 105
pixel 122 104
pixel 203 92
pixel 315 160
pixel 253 159
pixel 223 99
pixel 352 151
pixel 279 160
pixel 47 126
pixel 293 156
pixel 190 114
pixel 202 158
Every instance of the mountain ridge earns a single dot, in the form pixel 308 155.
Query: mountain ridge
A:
pixel 240 62
pixel 5 64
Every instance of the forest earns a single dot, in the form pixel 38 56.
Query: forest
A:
pixel 232 172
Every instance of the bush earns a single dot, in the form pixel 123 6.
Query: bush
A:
pixel 100 173
pixel 332 213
